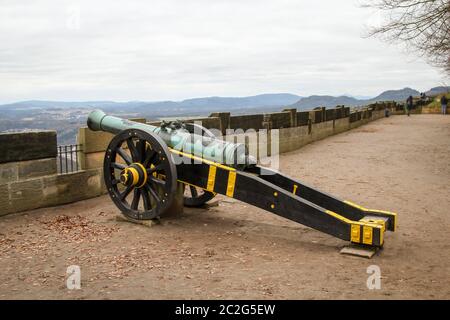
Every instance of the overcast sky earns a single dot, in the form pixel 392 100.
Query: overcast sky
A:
pixel 177 49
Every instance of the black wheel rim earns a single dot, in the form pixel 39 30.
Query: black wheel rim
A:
pixel 139 174
pixel 196 197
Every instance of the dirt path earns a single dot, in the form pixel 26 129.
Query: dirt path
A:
pixel 237 251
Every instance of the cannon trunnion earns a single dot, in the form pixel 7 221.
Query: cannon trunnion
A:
pixel 143 164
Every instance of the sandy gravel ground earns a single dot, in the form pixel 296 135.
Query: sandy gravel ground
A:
pixel 237 251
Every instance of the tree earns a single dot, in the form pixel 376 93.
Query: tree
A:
pixel 423 25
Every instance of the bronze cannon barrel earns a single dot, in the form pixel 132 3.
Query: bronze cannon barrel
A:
pixel 210 148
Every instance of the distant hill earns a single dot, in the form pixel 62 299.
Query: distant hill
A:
pixel 206 105
pixel 330 101
pixel 437 90
pixel 167 108
pixel 66 117
pixel 396 95
pixel 261 100
pixel 325 101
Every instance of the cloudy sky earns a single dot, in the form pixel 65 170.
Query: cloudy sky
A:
pixel 177 49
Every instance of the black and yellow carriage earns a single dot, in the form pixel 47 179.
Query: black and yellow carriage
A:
pixel 143 164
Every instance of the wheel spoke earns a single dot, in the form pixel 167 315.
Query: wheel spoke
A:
pixel 136 198
pixel 134 152
pixel 124 156
pixel 162 183
pixel 149 158
pixel 114 182
pixel 194 192
pixel 147 201
pixel 153 194
pixel 141 146
pixel 119 166
pixel 127 191
pixel 151 170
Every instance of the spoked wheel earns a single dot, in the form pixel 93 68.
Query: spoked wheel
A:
pixel 139 174
pixel 194 196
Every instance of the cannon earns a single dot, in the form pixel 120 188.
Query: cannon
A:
pixel 143 165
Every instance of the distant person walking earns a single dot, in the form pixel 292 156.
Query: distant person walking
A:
pixel 444 102
pixel 409 105
pixel 423 98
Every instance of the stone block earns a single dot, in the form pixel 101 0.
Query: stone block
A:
pixel 341 125
pixel 346 111
pixel 67 188
pixel 208 123
pixel 330 114
pixel 356 124
pixel 5 203
pixel 322 130
pixel 280 120
pixel 93 141
pixel 353 117
pixel 93 160
pixel 36 168
pixel 224 120
pixel 9 172
pixel 245 122
pixel 26 194
pixel 293 138
pixel 22 170
pixel 303 118
pixel 316 116
pixel 50 190
pixel 27 146
pixel 292 116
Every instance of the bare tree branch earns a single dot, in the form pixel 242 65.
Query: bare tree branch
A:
pixel 424 25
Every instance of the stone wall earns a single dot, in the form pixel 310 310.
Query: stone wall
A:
pixel 316 116
pixel 50 190
pixel 279 120
pixel 21 170
pixel 245 122
pixel 303 118
pixel 27 155
pixel 28 174
pixel 27 146
pixel 307 131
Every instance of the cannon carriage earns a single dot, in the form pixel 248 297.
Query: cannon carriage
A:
pixel 144 164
